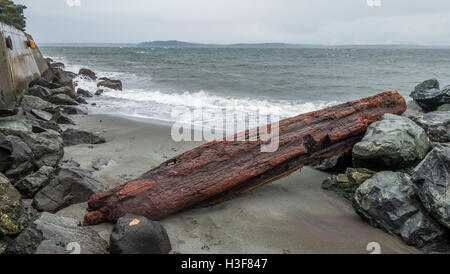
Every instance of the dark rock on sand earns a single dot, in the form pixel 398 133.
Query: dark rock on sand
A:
pixel 84 93
pixel 432 177
pixel 138 235
pixel 39 91
pixel 81 100
pixel 99 92
pixel 75 137
pixel 98 164
pixel 44 83
pixel 63 119
pixel 390 201
pixel 393 143
pixel 112 84
pixel 62 99
pixel 428 95
pixel 347 183
pixel 73 110
pixel 336 164
pixel 71 185
pixel 52 234
pixel 31 184
pixel 436 124
pixel 12 213
pixel 16 157
pixel 87 73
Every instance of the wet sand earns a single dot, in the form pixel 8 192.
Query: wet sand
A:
pixel 293 215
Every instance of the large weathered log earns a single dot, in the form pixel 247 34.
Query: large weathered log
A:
pixel 221 170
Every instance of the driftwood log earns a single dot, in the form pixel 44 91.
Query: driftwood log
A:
pixel 221 170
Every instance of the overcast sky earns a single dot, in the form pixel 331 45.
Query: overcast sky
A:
pixel 424 22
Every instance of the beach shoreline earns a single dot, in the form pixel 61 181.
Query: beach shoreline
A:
pixel 292 215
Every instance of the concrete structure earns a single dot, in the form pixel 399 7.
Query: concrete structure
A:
pixel 19 65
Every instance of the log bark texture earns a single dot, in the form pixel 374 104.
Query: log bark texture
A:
pixel 221 170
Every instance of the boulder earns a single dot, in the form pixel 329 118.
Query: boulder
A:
pixel 65 90
pixel 81 100
pixel 62 99
pixel 432 177
pixel 73 137
pixel 61 118
pixel 29 103
pixel 390 201
pixel 11 124
pixel 12 213
pixel 99 92
pixel 39 91
pixel 87 73
pixel 73 110
pixel 393 143
pixel 436 124
pixel 112 84
pixel 43 83
pixel 31 184
pixel 84 93
pixel 64 78
pixel 445 107
pixel 42 115
pixel 16 157
pixel 336 164
pixel 52 234
pixel 71 185
pixel 428 95
pixel 138 235
pixel 347 183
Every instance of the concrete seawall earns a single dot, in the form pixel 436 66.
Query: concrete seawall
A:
pixel 19 64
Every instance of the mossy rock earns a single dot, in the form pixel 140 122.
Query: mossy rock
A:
pixel 12 212
pixel 347 183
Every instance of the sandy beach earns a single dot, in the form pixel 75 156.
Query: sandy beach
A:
pixel 292 216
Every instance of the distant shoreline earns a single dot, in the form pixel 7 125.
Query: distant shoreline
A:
pixel 181 44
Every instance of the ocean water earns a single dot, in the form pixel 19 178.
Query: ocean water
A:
pixel 293 81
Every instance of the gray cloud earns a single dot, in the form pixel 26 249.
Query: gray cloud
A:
pixel 232 21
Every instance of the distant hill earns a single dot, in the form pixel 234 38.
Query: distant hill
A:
pixel 180 44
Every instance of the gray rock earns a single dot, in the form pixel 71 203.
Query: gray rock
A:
pixel 98 164
pixel 12 213
pixel 61 118
pixel 87 73
pixel 62 99
pixel 11 124
pixel 57 65
pixel 16 157
pixel 138 235
pixel 65 90
pixel 436 124
pixel 52 234
pixel 31 184
pixel 73 110
pixel 39 91
pixel 428 95
pixel 29 103
pixel 64 78
pixel 71 185
pixel 432 177
pixel 84 93
pixel 390 201
pixel 336 164
pixel 445 107
pixel 99 92
pixel 393 143
pixel 44 83
pixel 75 137
pixel 42 115
pixel 112 84
pixel 81 100
pixel 347 183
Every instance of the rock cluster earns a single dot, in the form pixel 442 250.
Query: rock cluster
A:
pixel 400 178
